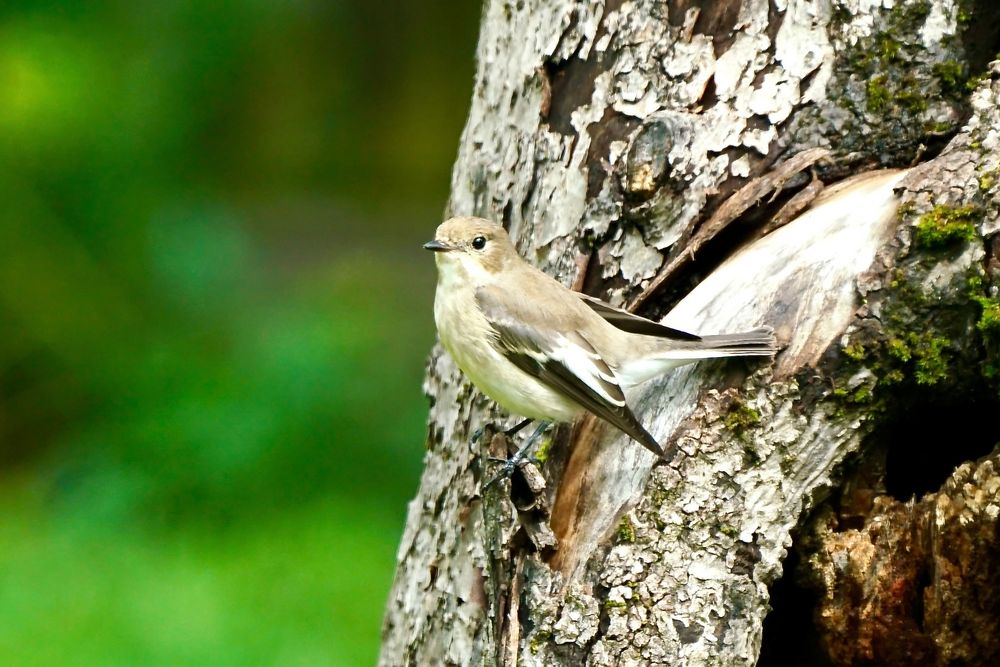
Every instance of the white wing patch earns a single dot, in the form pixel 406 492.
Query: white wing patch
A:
pixel 577 355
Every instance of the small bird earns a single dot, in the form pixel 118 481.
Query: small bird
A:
pixel 545 352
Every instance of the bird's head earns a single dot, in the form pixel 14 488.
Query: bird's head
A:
pixel 471 247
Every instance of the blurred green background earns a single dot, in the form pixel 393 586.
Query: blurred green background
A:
pixel 214 316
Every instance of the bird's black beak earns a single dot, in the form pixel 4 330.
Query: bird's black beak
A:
pixel 437 246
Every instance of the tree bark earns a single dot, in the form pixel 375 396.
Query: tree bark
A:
pixel 613 138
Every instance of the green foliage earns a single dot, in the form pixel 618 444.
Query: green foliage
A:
pixel 303 586
pixel 215 315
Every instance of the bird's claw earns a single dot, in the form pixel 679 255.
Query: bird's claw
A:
pixel 513 461
pixel 509 466
pixel 521 456
pixel 505 472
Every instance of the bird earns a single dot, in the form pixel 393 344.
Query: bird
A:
pixel 545 352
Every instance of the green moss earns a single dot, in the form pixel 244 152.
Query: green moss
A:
pixel 938 127
pixel 911 295
pixel 614 604
pixel 891 377
pixel 910 14
pixel 862 394
pixel 855 351
pixel 878 94
pixel 988 325
pixel 989 317
pixel 729 531
pixel 945 225
pixel 888 48
pixel 626 531
pixel 537 639
pixel 924 356
pixel 664 496
pixel 953 76
pixel 898 349
pixel 988 179
pixel 741 417
pixel 894 80
pixel 542 454
pixel 928 352
pixel 909 96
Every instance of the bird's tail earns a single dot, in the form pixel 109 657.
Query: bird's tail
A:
pixel 757 343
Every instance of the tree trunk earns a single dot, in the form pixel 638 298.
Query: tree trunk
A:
pixel 613 139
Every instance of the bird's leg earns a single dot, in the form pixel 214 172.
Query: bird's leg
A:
pixel 510 465
pixel 478 433
pixel 513 430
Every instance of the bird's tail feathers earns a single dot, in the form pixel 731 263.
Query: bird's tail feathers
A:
pixel 757 343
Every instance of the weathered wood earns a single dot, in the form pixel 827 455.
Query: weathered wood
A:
pixel 598 133
pixel 751 194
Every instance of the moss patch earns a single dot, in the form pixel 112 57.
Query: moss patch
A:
pixel 988 179
pixel 542 453
pixel 953 76
pixel 741 417
pixel 929 355
pixel 944 226
pixel 988 326
pixel 879 95
pixel 927 340
pixel 626 531
pixel 894 80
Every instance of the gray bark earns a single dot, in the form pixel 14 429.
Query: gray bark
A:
pixel 604 135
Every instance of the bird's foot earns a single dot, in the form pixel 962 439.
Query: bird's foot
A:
pixel 521 456
pixel 505 472
pixel 509 466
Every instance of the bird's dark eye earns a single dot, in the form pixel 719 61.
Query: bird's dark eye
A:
pixel 479 242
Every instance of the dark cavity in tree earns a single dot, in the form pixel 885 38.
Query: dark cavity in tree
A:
pixel 928 439
pixel 790 636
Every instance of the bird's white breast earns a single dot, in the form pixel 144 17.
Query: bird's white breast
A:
pixel 467 335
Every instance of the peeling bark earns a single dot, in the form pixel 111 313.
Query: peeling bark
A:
pixel 919 583
pixel 605 136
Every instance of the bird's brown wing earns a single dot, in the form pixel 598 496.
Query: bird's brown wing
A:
pixel 562 360
pixel 626 321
